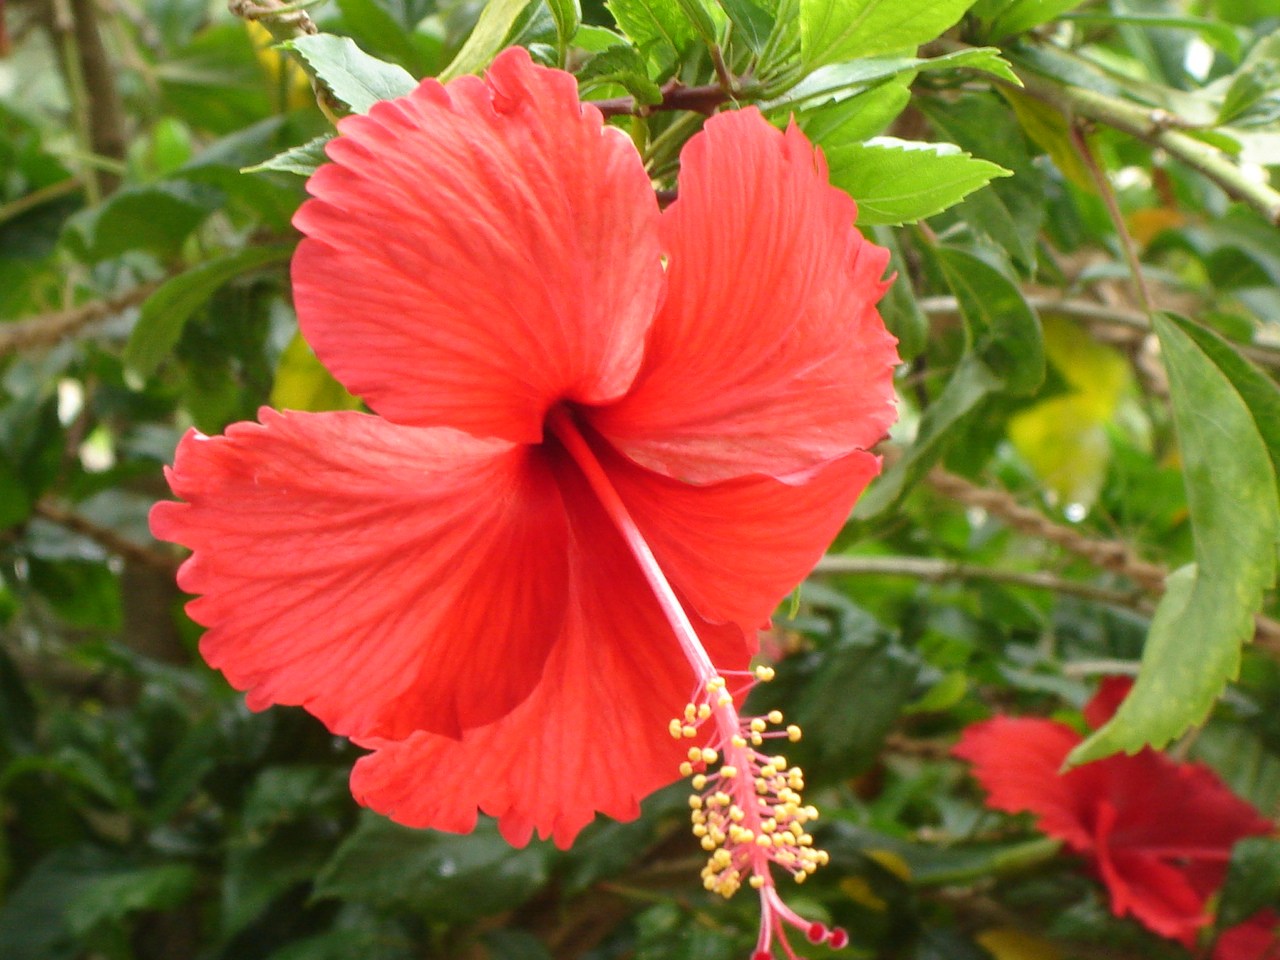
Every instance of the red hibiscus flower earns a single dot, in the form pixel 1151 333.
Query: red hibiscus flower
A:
pixel 608 439
pixel 1158 833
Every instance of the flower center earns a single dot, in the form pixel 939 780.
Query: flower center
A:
pixel 747 811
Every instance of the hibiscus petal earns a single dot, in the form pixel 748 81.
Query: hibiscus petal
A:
pixel 479 250
pixel 736 548
pixel 1178 811
pixel 1156 894
pixel 592 736
pixel 1017 761
pixel 389 579
pixel 768 355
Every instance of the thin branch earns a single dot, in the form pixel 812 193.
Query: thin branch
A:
pixel 675 96
pixel 105 537
pixel 1091 312
pixel 1156 127
pixel 47 329
pixel 289 21
pixel 1080 140
pixel 52 191
pixel 941 571
pixel 1110 555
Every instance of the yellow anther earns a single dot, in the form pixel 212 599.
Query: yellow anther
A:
pixel 728 771
pixel 699 829
pixel 700 781
pixel 799 875
pixel 736 814
pixel 774 716
pixel 768 771
pixel 706 754
pixel 724 701
pixel 764 674
pixel 686 769
pixel 756 881
pixel 704 711
pixel 756 739
pixel 709 844
pixel 793 733
pixel 695 754
pixel 763 841
pixel 674 728
pixel 690 711
pixel 695 802
pixel 714 684
pixel 689 732
pixel 738 741
pixel 758 725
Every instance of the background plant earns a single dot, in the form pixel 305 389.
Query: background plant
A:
pixel 1077 199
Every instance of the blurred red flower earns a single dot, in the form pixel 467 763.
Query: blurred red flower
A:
pixel 1157 832
pixel 593 417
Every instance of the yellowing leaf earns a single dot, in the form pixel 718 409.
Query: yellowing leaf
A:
pixel 1006 943
pixel 302 383
pixel 1063 438
pixel 859 891
pixel 282 72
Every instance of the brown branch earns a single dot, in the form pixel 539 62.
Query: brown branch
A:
pixel 105 537
pixel 1110 555
pixel 106 110
pixel 47 329
pixel 941 571
pixel 675 96
pixel 1100 314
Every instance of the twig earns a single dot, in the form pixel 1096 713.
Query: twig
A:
pixel 105 537
pixel 1080 140
pixel 47 329
pixel 1099 313
pixel 1108 554
pixel 1155 126
pixel 941 571
pixel 675 96
pixel 52 191
pixel 288 21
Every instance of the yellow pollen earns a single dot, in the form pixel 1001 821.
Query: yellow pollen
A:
pixel 674 728
pixel 688 731
pixel 704 711
pixel 793 733
pixel 686 769
pixel 774 716
pixel 700 781
pixel 764 674
pixel 707 754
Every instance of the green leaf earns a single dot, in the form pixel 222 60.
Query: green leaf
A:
pixel 896 182
pixel 623 65
pixel 1012 211
pixel 568 17
pixel 156 218
pixel 1258 390
pixel 837 81
pixel 750 22
pixel 1253 880
pixel 487 37
pixel 858 118
pixel 832 30
pixel 445 877
pixel 355 78
pixel 165 312
pixel 114 896
pixel 303 160
pixel 1219 34
pixel 371 24
pixel 1193 647
pixel 655 26
pixel 970 384
pixel 1022 15
pixel 1004 329
pixel 902 314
